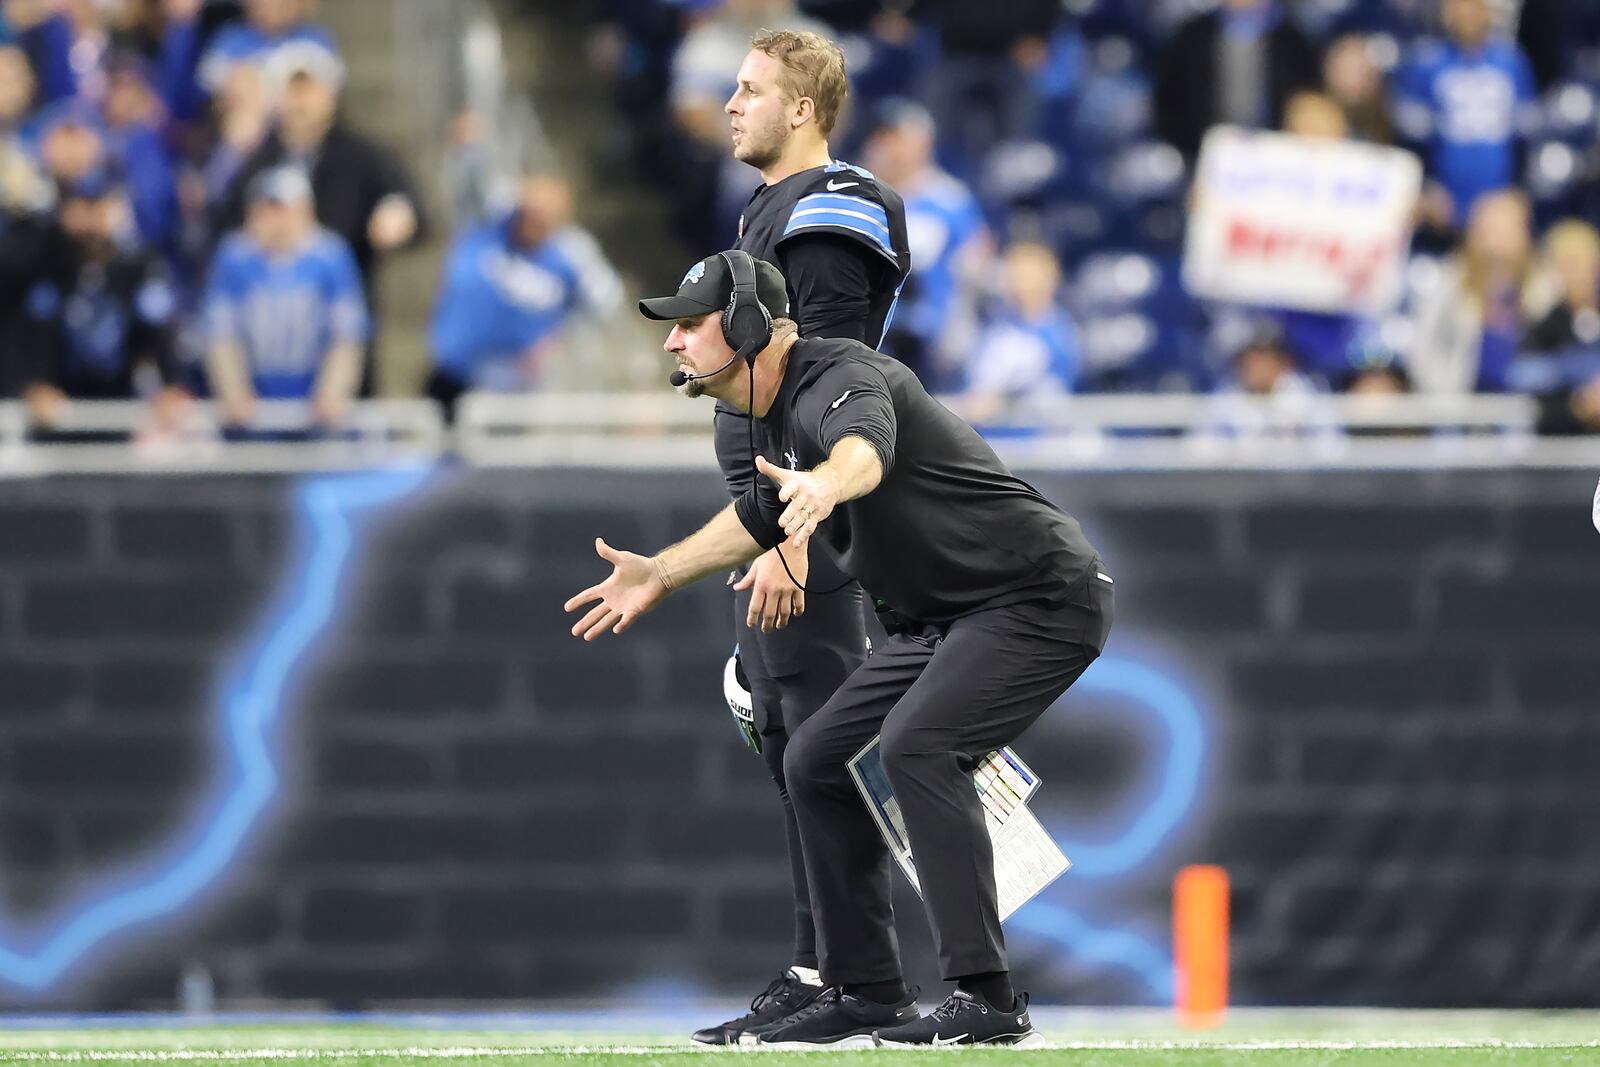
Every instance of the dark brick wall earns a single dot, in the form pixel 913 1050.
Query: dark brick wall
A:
pixel 1398 676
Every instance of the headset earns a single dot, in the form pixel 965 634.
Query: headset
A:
pixel 747 327
pixel 746 322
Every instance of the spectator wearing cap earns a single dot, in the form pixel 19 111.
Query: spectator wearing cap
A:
pixel 69 139
pixel 1267 398
pixel 1029 355
pixel 362 192
pixel 107 312
pixel 950 244
pixel 74 141
pixel 1238 65
pixel 284 314
pixel 267 27
pixel 1462 102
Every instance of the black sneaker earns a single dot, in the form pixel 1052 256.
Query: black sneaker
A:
pixel 786 995
pixel 835 1020
pixel 965 1019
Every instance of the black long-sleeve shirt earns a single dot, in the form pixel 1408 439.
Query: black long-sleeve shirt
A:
pixel 949 530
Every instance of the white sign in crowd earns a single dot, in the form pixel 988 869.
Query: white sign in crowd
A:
pixel 1297 222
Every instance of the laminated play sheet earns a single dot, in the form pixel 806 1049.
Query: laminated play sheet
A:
pixel 1025 858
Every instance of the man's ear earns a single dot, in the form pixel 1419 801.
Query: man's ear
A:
pixel 805 108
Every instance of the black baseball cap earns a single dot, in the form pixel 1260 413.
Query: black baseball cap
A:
pixel 708 286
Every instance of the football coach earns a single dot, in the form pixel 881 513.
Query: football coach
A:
pixel 994 600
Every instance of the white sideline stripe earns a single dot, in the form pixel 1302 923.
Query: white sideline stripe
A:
pixel 480 1052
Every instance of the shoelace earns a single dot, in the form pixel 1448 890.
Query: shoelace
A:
pixel 826 997
pixel 774 988
pixel 952 1006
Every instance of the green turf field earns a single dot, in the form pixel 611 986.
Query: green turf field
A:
pixel 1078 1038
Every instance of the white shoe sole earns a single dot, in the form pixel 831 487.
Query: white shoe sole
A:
pixel 856 1041
pixel 1032 1039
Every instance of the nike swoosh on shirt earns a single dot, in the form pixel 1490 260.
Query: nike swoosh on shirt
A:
pixel 841 400
pixel 834 187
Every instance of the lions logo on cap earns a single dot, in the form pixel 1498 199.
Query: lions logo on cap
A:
pixel 696 272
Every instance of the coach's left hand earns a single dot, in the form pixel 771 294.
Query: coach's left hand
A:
pixel 811 495
pixel 775 598
pixel 635 586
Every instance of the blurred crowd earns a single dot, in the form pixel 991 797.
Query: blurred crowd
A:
pixel 183 211
pixel 1045 150
pixel 186 212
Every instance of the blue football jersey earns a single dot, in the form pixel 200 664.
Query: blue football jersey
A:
pixel 1467 108
pixel 942 218
pixel 498 300
pixel 286 312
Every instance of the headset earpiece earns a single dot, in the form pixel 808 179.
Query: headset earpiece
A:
pixel 746 322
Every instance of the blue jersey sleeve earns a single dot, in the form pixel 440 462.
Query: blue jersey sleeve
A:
pixel 450 328
pixel 844 213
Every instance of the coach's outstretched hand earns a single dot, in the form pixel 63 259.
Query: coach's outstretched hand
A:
pixel 811 495
pixel 634 588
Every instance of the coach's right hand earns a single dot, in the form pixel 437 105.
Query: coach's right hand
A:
pixel 635 586
pixel 775 599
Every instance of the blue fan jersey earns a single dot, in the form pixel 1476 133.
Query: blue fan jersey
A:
pixel 1019 355
pixel 942 217
pixel 286 312
pixel 499 300
pixel 1466 106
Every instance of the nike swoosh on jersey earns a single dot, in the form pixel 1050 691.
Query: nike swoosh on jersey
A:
pixel 841 400
pixel 834 187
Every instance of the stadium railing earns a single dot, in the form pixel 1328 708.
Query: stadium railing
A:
pixel 1088 432
pixel 126 436
pixel 660 431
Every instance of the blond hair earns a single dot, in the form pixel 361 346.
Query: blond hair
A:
pixel 1575 236
pixel 813 67
pixel 1480 265
pixel 1313 114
